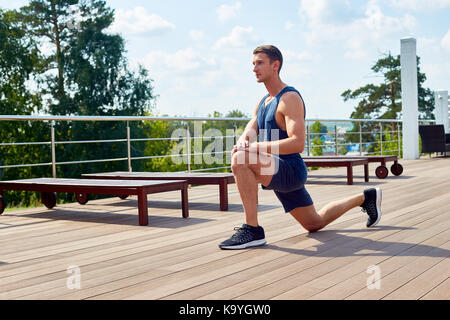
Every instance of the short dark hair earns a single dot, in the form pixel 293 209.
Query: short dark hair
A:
pixel 272 52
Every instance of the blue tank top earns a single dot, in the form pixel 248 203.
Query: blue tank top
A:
pixel 267 122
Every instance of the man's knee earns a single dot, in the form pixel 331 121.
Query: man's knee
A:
pixel 312 224
pixel 238 161
pixel 312 228
pixel 243 159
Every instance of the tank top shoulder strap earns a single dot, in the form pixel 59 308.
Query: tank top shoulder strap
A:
pixel 287 89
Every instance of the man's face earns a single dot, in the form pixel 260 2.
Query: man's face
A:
pixel 262 67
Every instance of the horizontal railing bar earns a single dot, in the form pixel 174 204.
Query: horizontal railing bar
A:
pixel 23 143
pixel 148 118
pixel 89 141
pixel 25 165
pixel 162 156
pixel 209 169
pixel 156 139
pixel 210 137
pixel 143 139
pixel 91 161
pixel 113 118
pixel 178 138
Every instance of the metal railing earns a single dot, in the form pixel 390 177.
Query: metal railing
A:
pixel 332 143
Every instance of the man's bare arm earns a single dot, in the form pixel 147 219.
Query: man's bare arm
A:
pixel 291 106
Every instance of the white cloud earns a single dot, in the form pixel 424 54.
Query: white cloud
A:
pixel 185 60
pixel 420 5
pixel 288 25
pixel 196 35
pixel 445 42
pixel 228 12
pixel 292 56
pixel 314 10
pixel 238 38
pixel 357 35
pixel 138 22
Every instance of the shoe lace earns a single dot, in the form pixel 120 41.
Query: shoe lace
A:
pixel 241 233
pixel 238 230
pixel 369 208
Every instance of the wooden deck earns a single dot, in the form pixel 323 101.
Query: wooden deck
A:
pixel 176 258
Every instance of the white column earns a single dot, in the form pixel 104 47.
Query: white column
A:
pixel 410 103
pixel 441 109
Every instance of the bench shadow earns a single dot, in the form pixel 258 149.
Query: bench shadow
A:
pixel 351 246
pixel 320 179
pixel 206 206
pixel 115 217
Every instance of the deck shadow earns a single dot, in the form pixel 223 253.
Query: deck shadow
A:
pixel 116 218
pixel 206 206
pixel 351 246
pixel 357 180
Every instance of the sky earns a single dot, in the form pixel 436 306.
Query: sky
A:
pixel 199 52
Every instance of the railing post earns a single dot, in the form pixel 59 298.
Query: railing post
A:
pixel 381 138
pixel 410 113
pixel 360 139
pixel 52 133
pixel 307 140
pixel 335 140
pixel 188 141
pixel 441 109
pixel 130 169
pixel 398 140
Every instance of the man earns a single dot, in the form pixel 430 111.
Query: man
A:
pixel 275 161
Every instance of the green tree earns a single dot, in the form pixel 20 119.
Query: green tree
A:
pixel 317 130
pixel 76 67
pixel 92 78
pixel 18 60
pixel 383 101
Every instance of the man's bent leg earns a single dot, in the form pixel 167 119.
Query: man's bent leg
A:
pixel 313 221
pixel 247 169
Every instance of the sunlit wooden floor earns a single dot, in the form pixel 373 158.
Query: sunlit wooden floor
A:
pixel 98 251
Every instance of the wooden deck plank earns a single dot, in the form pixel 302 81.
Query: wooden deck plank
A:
pixel 322 264
pixel 193 272
pixel 441 292
pixel 424 283
pixel 356 278
pixel 408 271
pixel 178 258
pixel 334 239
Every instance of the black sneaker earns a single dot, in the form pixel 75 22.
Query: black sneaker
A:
pixel 372 205
pixel 245 237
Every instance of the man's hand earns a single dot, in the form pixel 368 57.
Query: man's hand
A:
pixel 240 145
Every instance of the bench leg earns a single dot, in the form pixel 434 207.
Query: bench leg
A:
pixel 184 201
pixel 350 174
pixel 366 172
pixel 142 208
pixel 223 191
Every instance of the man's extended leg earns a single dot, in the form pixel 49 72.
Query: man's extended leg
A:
pixel 313 221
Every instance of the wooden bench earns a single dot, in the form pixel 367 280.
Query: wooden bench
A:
pixel 349 163
pixel 221 179
pixel 381 171
pixel 83 187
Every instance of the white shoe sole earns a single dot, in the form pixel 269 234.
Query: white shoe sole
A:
pixel 378 207
pixel 255 243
